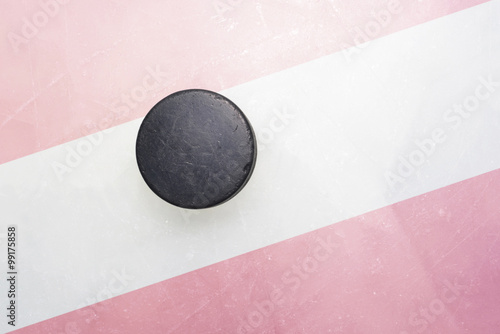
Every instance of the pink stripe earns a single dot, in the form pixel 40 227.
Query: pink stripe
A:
pixel 72 67
pixel 427 264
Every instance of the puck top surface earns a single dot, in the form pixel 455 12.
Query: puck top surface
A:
pixel 196 149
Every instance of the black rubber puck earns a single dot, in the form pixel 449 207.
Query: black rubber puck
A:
pixel 196 149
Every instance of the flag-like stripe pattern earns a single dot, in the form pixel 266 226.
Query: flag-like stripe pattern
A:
pixel 403 127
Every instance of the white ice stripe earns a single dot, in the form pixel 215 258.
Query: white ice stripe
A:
pixel 330 131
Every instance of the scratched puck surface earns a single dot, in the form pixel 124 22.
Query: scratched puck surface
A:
pixel 196 149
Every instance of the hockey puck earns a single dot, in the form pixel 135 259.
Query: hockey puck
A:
pixel 196 149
